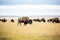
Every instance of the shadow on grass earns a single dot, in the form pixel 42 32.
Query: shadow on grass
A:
pixel 44 37
pixel 55 37
pixel 5 38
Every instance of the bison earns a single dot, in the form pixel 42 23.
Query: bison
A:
pixel 4 20
pixel 12 20
pixel 43 19
pixel 49 20
pixel 54 20
pixel 28 22
pixel 37 20
pixel 24 20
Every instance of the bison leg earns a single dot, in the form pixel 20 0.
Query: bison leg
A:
pixel 53 21
pixel 30 21
pixel 18 23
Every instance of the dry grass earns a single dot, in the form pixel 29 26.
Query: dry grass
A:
pixel 36 31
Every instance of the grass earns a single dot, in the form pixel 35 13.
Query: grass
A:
pixel 36 31
pixel 31 37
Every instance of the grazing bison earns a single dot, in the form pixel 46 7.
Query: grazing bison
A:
pixel 49 20
pixel 37 20
pixel 43 19
pixel 4 20
pixel 54 20
pixel 12 20
pixel 28 22
pixel 24 20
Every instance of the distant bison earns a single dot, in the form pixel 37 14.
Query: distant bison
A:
pixel 54 20
pixel 4 20
pixel 49 20
pixel 43 19
pixel 37 20
pixel 12 20
pixel 24 20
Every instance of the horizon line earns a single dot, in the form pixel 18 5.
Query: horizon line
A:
pixel 32 16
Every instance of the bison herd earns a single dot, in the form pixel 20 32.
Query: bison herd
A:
pixel 26 20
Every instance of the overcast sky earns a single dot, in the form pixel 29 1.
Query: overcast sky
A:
pixel 29 7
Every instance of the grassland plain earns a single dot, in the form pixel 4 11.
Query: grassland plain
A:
pixel 36 31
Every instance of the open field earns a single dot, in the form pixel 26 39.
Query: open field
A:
pixel 36 31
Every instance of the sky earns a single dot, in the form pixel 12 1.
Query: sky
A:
pixel 29 7
pixel 18 2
